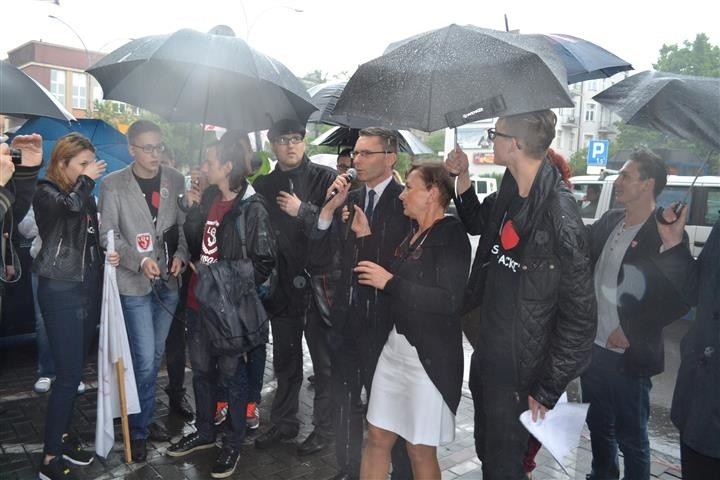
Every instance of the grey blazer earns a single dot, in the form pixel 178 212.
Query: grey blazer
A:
pixel 123 209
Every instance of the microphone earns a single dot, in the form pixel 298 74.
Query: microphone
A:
pixel 351 175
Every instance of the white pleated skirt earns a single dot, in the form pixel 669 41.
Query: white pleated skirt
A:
pixel 404 400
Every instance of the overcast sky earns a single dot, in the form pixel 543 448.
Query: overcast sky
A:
pixel 336 35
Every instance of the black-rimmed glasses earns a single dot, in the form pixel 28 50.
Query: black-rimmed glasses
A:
pixel 287 140
pixel 492 133
pixel 149 148
pixel 365 153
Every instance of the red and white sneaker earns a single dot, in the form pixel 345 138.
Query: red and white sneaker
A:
pixel 252 416
pixel 221 410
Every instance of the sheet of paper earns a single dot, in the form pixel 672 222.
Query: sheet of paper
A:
pixel 560 431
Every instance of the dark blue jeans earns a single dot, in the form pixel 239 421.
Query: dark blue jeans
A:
pixel 147 319
pixel 618 417
pixel 45 362
pixel 207 377
pixel 71 311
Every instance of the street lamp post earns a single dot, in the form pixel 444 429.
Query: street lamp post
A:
pixel 88 107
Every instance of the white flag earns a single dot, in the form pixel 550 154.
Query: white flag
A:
pixel 112 347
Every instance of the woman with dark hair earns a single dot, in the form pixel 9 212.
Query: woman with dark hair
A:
pixel 416 387
pixel 68 266
pixel 213 236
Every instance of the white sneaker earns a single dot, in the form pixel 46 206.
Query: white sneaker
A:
pixel 81 388
pixel 42 385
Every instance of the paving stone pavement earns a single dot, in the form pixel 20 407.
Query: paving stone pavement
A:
pixel 22 417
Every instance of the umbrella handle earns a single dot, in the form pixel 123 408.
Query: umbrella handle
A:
pixel 452 175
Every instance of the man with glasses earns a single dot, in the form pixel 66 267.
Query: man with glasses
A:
pixel 530 293
pixel 295 191
pixel 361 315
pixel 635 302
pixel 139 203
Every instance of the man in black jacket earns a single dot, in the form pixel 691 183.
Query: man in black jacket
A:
pixel 635 302
pixel 361 314
pixel 531 279
pixel 294 191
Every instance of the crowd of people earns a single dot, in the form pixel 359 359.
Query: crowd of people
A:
pixel 379 281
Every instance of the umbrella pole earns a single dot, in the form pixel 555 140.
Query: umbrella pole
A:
pixel 123 410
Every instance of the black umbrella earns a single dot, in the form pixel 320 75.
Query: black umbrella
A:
pixel 346 137
pixel 325 96
pixel 189 76
pixel 22 96
pixel 583 60
pixel 681 105
pixel 455 75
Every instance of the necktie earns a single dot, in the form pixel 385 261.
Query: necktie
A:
pixel 370 205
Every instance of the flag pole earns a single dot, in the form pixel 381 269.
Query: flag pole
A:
pixel 123 410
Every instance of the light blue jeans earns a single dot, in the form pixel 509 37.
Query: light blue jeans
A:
pixel 147 319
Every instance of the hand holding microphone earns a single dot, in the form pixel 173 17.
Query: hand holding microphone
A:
pixel 341 186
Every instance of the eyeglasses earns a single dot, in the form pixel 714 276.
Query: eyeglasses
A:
pixel 364 153
pixel 149 148
pixel 492 133
pixel 289 139
pixel 342 167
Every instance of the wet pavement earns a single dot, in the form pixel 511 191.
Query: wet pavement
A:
pixel 22 417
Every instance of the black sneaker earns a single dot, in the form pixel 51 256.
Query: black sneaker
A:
pixel 158 433
pixel 139 449
pixel 189 444
pixel 73 453
pixel 56 469
pixel 226 462
pixel 181 409
pixel 272 437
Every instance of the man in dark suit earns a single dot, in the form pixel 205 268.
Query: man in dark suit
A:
pixel 361 315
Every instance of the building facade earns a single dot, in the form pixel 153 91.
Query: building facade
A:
pixel 61 70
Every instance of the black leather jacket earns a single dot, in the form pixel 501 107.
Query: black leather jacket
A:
pixel 62 219
pixel 553 336
pixel 261 245
pixel 309 182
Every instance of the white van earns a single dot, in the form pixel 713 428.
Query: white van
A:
pixel 704 201
pixel 483 186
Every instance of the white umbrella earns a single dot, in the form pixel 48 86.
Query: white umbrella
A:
pixel 117 392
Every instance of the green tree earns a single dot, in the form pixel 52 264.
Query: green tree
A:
pixel 119 115
pixel 316 77
pixel 436 141
pixel 693 58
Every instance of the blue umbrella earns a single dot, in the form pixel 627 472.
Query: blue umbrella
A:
pixel 110 144
pixel 584 60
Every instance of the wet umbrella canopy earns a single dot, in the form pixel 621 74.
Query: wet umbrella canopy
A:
pixel 681 105
pixel 21 96
pixel 456 75
pixel 189 76
pixel 325 97
pixel 583 60
pixel 346 137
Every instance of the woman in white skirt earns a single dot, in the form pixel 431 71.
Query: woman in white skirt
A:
pixel 416 387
